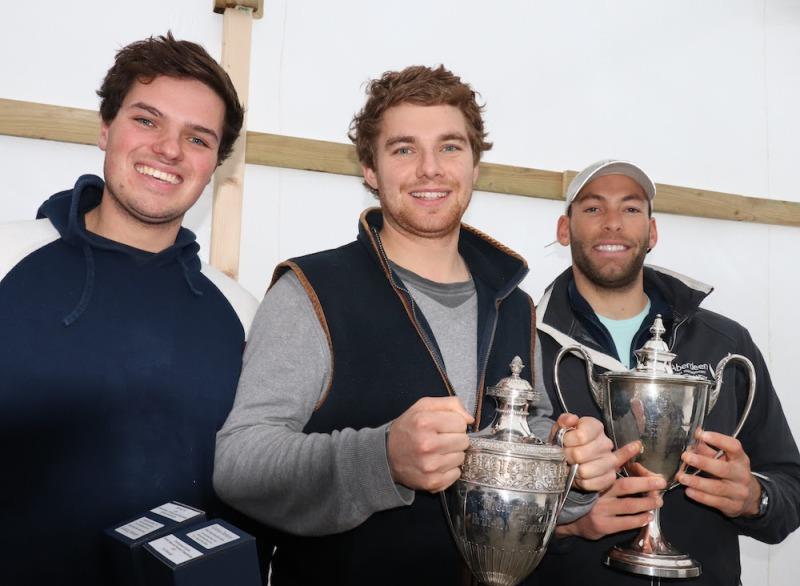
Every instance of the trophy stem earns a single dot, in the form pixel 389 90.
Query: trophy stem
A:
pixel 650 554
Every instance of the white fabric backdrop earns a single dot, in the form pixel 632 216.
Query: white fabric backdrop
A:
pixel 702 94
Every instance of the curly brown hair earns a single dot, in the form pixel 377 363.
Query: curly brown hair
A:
pixel 145 60
pixel 420 85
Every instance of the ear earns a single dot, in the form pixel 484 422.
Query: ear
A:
pixel 562 230
pixel 102 140
pixel 653 234
pixel 370 176
pixel 475 173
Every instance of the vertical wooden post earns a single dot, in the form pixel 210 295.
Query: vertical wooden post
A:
pixel 226 219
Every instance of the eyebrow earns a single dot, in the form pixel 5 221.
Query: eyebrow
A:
pixel 601 197
pixel 157 113
pixel 450 136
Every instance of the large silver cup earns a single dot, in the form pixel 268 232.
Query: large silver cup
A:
pixel 503 509
pixel 664 411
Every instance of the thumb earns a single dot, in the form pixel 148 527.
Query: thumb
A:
pixel 567 420
pixel 627 452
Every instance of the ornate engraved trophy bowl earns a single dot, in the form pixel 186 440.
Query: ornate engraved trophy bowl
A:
pixel 663 411
pixel 503 509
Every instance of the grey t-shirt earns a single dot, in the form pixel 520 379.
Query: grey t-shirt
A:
pixel 316 483
pixel 451 310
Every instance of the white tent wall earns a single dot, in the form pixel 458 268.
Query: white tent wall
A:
pixel 702 94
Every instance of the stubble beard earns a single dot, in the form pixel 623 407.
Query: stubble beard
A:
pixel 622 279
pixel 434 225
pixel 129 208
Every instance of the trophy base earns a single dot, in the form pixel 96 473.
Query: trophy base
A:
pixel 673 565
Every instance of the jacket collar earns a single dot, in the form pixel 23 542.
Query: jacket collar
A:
pixel 557 319
pixel 493 263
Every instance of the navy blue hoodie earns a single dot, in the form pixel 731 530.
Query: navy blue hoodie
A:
pixel 117 367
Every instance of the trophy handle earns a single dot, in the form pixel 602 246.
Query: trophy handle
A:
pixel 573 471
pixel 593 386
pixel 712 399
pixel 751 372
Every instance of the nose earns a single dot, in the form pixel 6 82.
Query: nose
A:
pixel 612 220
pixel 429 165
pixel 168 146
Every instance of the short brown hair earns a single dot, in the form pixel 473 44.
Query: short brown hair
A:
pixel 419 85
pixel 145 60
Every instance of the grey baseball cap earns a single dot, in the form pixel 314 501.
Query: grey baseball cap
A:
pixel 609 167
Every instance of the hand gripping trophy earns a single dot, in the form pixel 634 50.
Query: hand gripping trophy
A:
pixel 503 509
pixel 664 411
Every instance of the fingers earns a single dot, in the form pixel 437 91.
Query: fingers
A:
pixel 729 485
pixel 587 441
pixel 635 485
pixel 567 420
pixel 616 510
pixel 703 449
pixel 733 464
pixel 452 404
pixel 730 445
pixel 627 452
pixel 426 444
pixel 727 497
pixel 588 446
pixel 597 474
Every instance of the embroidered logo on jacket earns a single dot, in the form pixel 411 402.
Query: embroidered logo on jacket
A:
pixel 693 369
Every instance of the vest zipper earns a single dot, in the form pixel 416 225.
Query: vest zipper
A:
pixel 437 360
pixel 482 377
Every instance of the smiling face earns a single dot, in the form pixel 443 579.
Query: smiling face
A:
pixel 161 150
pixel 424 170
pixel 609 232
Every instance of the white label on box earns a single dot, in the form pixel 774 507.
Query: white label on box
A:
pixel 175 512
pixel 174 549
pixel 212 536
pixel 139 527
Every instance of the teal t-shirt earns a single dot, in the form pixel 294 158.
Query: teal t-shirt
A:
pixel 622 332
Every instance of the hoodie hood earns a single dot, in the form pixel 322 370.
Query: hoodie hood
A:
pixel 66 211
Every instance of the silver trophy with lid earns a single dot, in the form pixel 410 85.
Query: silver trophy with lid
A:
pixel 664 411
pixel 503 509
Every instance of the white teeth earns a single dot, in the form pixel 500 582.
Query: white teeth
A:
pixel 162 175
pixel 429 194
pixel 610 247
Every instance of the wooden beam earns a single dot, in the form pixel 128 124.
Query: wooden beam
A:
pixel 30 120
pixel 226 216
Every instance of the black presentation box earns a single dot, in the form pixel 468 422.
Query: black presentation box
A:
pixel 124 541
pixel 204 554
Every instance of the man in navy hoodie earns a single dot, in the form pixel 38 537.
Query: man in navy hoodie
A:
pixel 120 350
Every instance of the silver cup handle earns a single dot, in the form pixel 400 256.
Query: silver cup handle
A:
pixel 593 386
pixel 712 399
pixel 573 471
pixel 751 372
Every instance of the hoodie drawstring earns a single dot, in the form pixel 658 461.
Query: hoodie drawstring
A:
pixel 88 287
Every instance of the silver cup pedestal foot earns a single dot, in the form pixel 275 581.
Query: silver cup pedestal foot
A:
pixel 650 554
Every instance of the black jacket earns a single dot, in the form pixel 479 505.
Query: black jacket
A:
pixel 699 338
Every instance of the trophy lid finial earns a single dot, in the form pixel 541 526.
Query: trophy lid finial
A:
pixel 516 367
pixel 514 385
pixel 655 357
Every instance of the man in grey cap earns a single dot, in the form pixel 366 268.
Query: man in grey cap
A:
pixel 607 301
